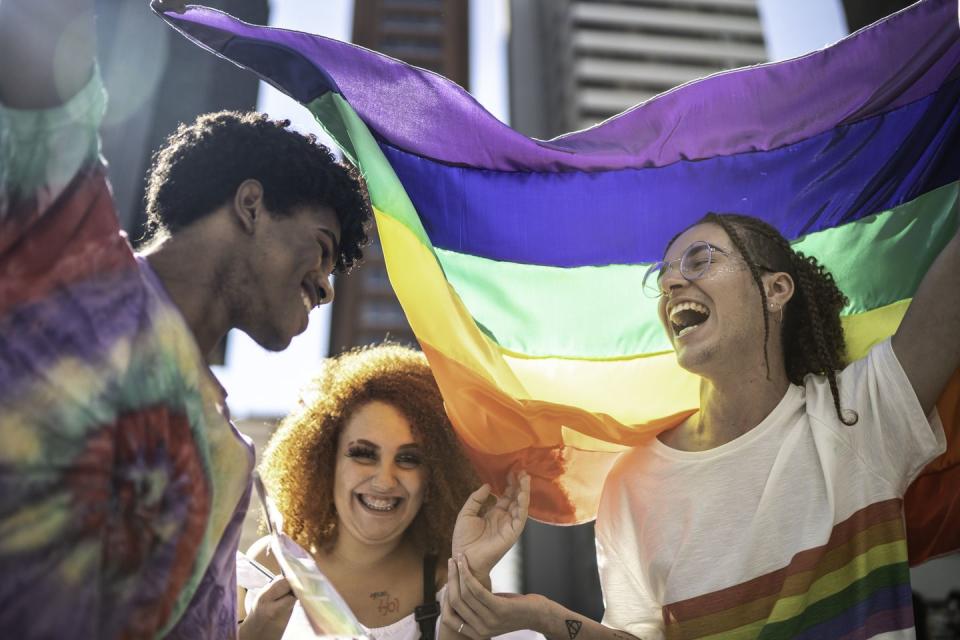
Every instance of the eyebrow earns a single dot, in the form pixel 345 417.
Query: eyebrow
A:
pixel 723 250
pixel 411 445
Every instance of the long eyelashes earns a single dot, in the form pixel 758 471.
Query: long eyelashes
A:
pixel 362 453
pixel 410 459
pixel 365 453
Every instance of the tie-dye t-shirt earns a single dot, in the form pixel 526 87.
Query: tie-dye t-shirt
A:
pixel 793 530
pixel 123 483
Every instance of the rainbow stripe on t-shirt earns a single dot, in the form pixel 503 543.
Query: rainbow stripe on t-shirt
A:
pixel 822 593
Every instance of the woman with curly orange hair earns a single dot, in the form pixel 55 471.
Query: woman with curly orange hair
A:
pixel 369 478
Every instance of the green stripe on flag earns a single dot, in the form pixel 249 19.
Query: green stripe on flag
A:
pixel 601 312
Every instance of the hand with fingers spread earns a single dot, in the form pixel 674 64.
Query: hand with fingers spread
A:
pixel 269 612
pixel 484 533
pixel 471 610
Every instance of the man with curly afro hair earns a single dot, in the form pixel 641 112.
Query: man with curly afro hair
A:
pixel 123 484
pixel 248 220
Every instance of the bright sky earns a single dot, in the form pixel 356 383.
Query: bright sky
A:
pixel 793 28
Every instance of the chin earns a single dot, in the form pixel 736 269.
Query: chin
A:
pixel 272 341
pixel 695 361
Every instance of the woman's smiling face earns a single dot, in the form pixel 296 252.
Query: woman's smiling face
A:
pixel 380 479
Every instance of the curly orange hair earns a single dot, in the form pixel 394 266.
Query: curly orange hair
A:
pixel 299 461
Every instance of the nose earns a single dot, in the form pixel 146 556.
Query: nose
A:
pixel 385 479
pixel 671 278
pixel 326 290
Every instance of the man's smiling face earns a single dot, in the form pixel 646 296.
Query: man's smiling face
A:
pixel 294 256
pixel 716 319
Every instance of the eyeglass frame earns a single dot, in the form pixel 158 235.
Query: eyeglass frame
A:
pixel 661 266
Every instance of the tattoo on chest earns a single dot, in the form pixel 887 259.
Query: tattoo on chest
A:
pixel 573 628
pixel 386 604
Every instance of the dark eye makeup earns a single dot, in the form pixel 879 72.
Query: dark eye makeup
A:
pixel 409 459
pixel 365 453
pixel 361 452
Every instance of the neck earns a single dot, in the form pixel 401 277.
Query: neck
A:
pixel 349 552
pixel 193 285
pixel 730 406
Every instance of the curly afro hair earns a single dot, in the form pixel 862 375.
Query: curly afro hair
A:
pixel 201 165
pixel 813 340
pixel 299 461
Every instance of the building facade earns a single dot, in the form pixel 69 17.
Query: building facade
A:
pixel 575 63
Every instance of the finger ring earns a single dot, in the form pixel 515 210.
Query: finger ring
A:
pixel 460 630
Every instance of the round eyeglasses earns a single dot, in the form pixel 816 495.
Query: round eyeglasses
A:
pixel 694 264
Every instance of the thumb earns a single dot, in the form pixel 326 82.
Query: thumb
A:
pixel 475 502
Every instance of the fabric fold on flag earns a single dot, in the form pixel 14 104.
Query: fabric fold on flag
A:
pixel 518 261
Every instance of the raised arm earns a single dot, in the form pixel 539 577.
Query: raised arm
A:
pixel 485 532
pixel 46 51
pixel 927 343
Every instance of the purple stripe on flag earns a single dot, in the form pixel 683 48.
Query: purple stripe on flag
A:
pixel 629 215
pixel 896 61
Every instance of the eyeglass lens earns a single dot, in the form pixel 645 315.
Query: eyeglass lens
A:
pixel 693 265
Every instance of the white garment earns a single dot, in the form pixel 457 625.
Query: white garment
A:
pixel 403 629
pixel 298 628
pixel 794 527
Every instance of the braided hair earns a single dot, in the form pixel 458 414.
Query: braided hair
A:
pixel 812 334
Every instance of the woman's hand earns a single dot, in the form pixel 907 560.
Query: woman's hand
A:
pixel 270 612
pixel 472 611
pixel 485 535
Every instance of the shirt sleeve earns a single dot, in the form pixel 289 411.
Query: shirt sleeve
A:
pixel 41 151
pixel 892 433
pixel 628 605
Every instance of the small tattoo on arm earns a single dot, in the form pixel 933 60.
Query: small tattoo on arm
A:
pixel 573 628
pixel 386 604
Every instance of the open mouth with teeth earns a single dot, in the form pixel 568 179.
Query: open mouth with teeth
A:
pixel 687 317
pixel 379 504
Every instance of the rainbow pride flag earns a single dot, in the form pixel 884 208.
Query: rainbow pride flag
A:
pixel 518 261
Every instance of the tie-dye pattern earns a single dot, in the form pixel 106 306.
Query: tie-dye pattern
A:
pixel 123 483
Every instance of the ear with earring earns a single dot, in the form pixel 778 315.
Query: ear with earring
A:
pixel 779 309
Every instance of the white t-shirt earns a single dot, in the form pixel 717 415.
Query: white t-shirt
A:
pixel 406 628
pixel 794 529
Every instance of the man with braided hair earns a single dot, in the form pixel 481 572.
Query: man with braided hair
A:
pixel 123 483
pixel 776 510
